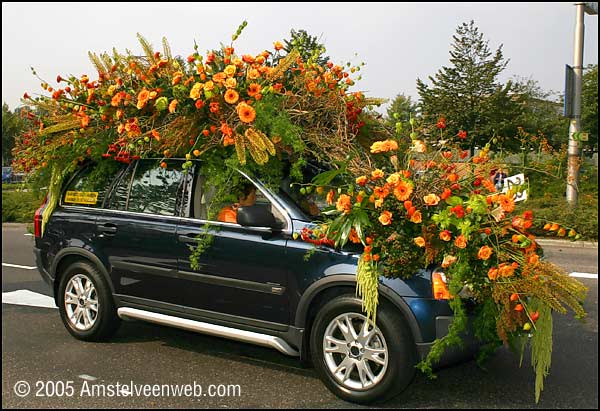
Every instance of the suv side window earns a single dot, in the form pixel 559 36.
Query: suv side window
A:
pixel 213 202
pixel 153 189
pixel 89 187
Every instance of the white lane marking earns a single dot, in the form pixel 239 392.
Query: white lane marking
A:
pixel 26 297
pixel 26 267
pixel 87 377
pixel 584 275
pixel 28 234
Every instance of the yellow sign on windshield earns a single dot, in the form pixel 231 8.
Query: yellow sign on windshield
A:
pixel 81 197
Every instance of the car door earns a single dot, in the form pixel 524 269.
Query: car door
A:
pixel 137 232
pixel 242 273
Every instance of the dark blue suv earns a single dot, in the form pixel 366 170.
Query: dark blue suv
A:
pixel 118 246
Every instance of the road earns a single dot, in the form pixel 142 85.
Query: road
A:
pixel 37 350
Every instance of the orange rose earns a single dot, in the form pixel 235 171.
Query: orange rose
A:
pixel 431 199
pixel 493 273
pixel 344 203
pixel 484 253
pixel 393 179
pixel 448 260
pixel 385 218
pixel 173 106
pixel 419 241
pixel 416 217
pixel 446 235
pixel 361 181
pixel 142 98
pixel 330 196
pixel 231 83
pixel 460 241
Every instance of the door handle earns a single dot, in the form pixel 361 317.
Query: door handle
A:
pixel 187 238
pixel 108 229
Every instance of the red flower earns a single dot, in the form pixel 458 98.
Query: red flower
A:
pixel 59 79
pixel 441 124
pixel 462 134
pixel 191 58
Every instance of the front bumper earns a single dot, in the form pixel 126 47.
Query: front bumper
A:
pixel 454 354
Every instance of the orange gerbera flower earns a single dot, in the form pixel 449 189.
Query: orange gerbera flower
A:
pixel 142 98
pixel 403 190
pixel 246 113
pixel 231 96
pixel 253 89
pixel 506 203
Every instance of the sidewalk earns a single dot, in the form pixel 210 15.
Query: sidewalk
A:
pixel 566 243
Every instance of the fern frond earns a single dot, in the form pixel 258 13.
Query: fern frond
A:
pixel 167 49
pixel 284 64
pixel 147 47
pixel 96 62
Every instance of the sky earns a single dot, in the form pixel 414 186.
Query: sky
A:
pixel 398 42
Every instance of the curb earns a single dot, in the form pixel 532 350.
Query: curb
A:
pixel 566 243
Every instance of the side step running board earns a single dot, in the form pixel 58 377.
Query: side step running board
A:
pixel 211 329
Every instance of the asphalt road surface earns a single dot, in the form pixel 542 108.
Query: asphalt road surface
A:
pixel 50 369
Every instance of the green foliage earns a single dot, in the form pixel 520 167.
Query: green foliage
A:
pixel 541 345
pixel 589 104
pixel 12 126
pixel 19 206
pixel 401 110
pixel 309 47
pixel 467 92
pixel 204 241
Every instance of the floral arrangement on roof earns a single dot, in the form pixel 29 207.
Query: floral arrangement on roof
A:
pixel 412 199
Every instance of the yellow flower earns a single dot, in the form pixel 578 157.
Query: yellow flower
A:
pixel 195 91
pixel 393 179
pixel 209 85
pixel 419 241
pixel 229 70
pixel 231 83
pixel 253 74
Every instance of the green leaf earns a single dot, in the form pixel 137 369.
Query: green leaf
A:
pixel 454 201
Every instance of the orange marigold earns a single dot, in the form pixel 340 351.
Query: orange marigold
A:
pixel 384 146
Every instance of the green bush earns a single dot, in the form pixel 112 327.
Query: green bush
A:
pixel 547 200
pixel 19 206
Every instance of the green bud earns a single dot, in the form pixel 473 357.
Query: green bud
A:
pixel 396 116
pixel 147 139
pixel 308 190
pixel 161 103
pixel 413 135
pixel 339 191
pixel 398 127
pixel 303 191
pixel 412 121
pixel 140 141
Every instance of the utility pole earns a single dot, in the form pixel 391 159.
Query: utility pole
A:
pixel 574 154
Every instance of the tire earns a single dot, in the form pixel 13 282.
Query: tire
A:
pixel 85 303
pixel 388 351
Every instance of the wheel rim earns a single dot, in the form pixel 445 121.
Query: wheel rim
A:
pixel 81 302
pixel 355 351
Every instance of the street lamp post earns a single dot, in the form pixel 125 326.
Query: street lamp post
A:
pixel 574 158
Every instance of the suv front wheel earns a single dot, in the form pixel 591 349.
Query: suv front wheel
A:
pixel 85 303
pixel 360 361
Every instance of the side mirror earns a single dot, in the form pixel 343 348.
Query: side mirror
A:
pixel 258 215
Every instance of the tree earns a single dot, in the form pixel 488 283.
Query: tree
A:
pixel 467 93
pixel 308 46
pixel 401 109
pixel 12 126
pixel 589 104
pixel 539 114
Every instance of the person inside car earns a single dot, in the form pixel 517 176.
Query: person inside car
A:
pixel 247 197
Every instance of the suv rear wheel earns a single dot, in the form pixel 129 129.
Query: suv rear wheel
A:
pixel 360 361
pixel 85 303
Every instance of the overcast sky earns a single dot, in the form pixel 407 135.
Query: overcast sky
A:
pixel 399 42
